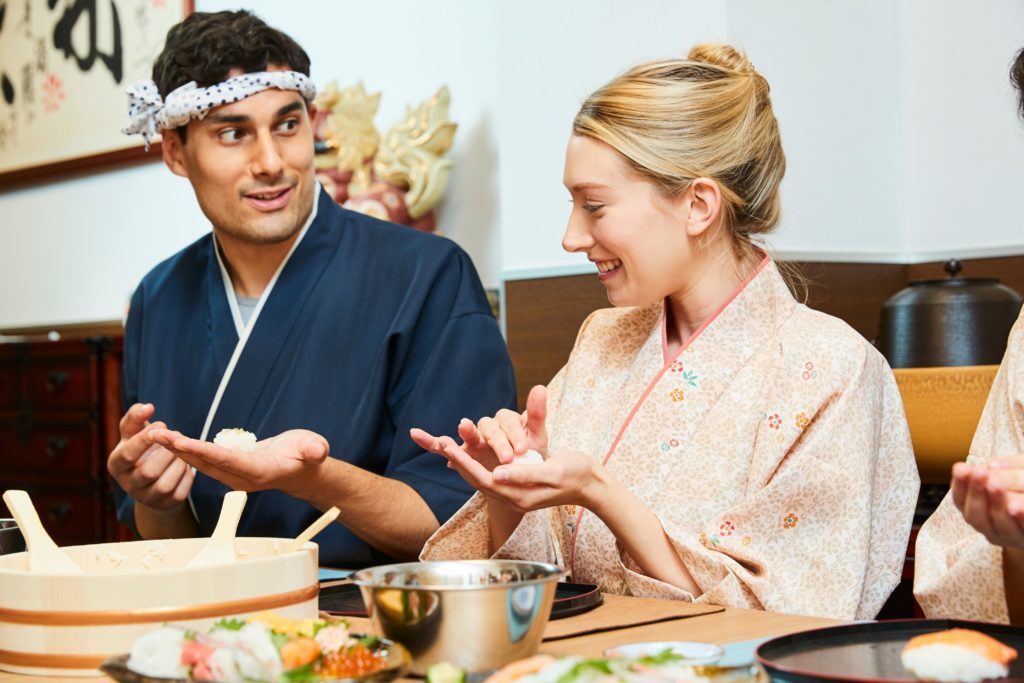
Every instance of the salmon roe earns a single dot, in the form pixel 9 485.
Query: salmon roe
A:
pixel 351 662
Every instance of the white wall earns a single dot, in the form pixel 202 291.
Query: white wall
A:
pixel 962 143
pixel 73 251
pixel 834 73
pixel 551 55
pixel 897 118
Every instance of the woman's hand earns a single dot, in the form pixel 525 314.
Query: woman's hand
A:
pixel 496 440
pixel 487 460
pixel 509 434
pixel 490 447
pixel 991 498
pixel 565 478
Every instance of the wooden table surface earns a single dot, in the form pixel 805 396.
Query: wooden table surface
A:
pixel 722 627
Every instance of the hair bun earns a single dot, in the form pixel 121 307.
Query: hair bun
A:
pixel 719 54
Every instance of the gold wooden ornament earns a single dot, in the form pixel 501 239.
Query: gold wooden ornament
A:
pixel 399 176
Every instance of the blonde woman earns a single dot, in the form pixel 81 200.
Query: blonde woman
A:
pixel 710 438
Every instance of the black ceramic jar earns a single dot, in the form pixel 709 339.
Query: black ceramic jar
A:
pixel 953 321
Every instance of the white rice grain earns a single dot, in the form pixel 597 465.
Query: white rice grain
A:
pixel 950 664
pixel 236 439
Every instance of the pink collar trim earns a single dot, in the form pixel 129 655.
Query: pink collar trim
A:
pixel 669 359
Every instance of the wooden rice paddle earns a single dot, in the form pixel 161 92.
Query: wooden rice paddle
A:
pixel 220 549
pixel 44 557
pixel 313 529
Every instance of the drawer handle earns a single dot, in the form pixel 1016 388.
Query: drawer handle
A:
pixel 55 380
pixel 60 510
pixel 56 446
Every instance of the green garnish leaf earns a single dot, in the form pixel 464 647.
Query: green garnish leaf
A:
pixel 301 674
pixel 278 639
pixel 599 665
pixel 230 624
pixel 663 657
pixel 369 641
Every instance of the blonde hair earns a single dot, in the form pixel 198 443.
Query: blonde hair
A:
pixel 706 116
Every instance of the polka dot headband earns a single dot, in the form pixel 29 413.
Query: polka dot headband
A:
pixel 150 114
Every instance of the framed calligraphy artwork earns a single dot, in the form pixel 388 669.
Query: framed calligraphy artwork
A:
pixel 64 69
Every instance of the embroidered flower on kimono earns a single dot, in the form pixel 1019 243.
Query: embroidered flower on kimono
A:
pixel 809 371
pixel 727 528
pixel 715 540
pixel 802 421
pixel 677 366
pixel 746 540
pixel 665 446
pixel 676 395
pixel 774 421
pixel 690 377
pixel 673 442
pixel 790 521
pixel 703 538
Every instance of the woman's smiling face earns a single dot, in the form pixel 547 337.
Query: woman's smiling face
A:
pixel 625 225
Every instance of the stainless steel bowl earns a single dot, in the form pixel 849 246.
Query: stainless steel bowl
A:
pixel 11 540
pixel 476 614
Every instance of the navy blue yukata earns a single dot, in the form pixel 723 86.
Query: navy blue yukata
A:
pixel 370 329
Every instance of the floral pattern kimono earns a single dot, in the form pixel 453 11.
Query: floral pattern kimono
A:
pixel 773 448
pixel 958 573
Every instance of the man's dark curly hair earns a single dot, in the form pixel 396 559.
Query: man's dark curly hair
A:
pixel 1017 78
pixel 206 46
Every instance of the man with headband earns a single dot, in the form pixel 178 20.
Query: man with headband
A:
pixel 293 315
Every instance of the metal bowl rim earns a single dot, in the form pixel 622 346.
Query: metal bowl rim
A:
pixel 555 574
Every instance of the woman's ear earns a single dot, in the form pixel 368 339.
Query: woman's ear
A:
pixel 172 148
pixel 705 200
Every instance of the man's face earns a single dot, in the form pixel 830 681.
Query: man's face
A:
pixel 251 165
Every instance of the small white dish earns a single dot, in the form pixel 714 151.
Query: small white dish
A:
pixel 694 652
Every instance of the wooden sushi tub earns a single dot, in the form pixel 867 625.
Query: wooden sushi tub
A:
pixel 68 624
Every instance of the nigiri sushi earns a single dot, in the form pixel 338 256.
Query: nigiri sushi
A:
pixel 236 440
pixel 957 655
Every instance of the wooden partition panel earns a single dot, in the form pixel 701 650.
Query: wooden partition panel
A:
pixel 542 317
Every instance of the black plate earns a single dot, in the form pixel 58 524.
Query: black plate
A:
pixel 570 599
pixel 867 652
pixel 575 598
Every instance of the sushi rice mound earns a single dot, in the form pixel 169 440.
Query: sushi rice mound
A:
pixel 943 663
pixel 957 655
pixel 236 439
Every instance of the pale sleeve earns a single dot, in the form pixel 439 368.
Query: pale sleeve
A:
pixel 466 536
pixel 958 573
pixel 826 531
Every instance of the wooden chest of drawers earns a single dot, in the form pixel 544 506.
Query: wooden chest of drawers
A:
pixel 58 404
